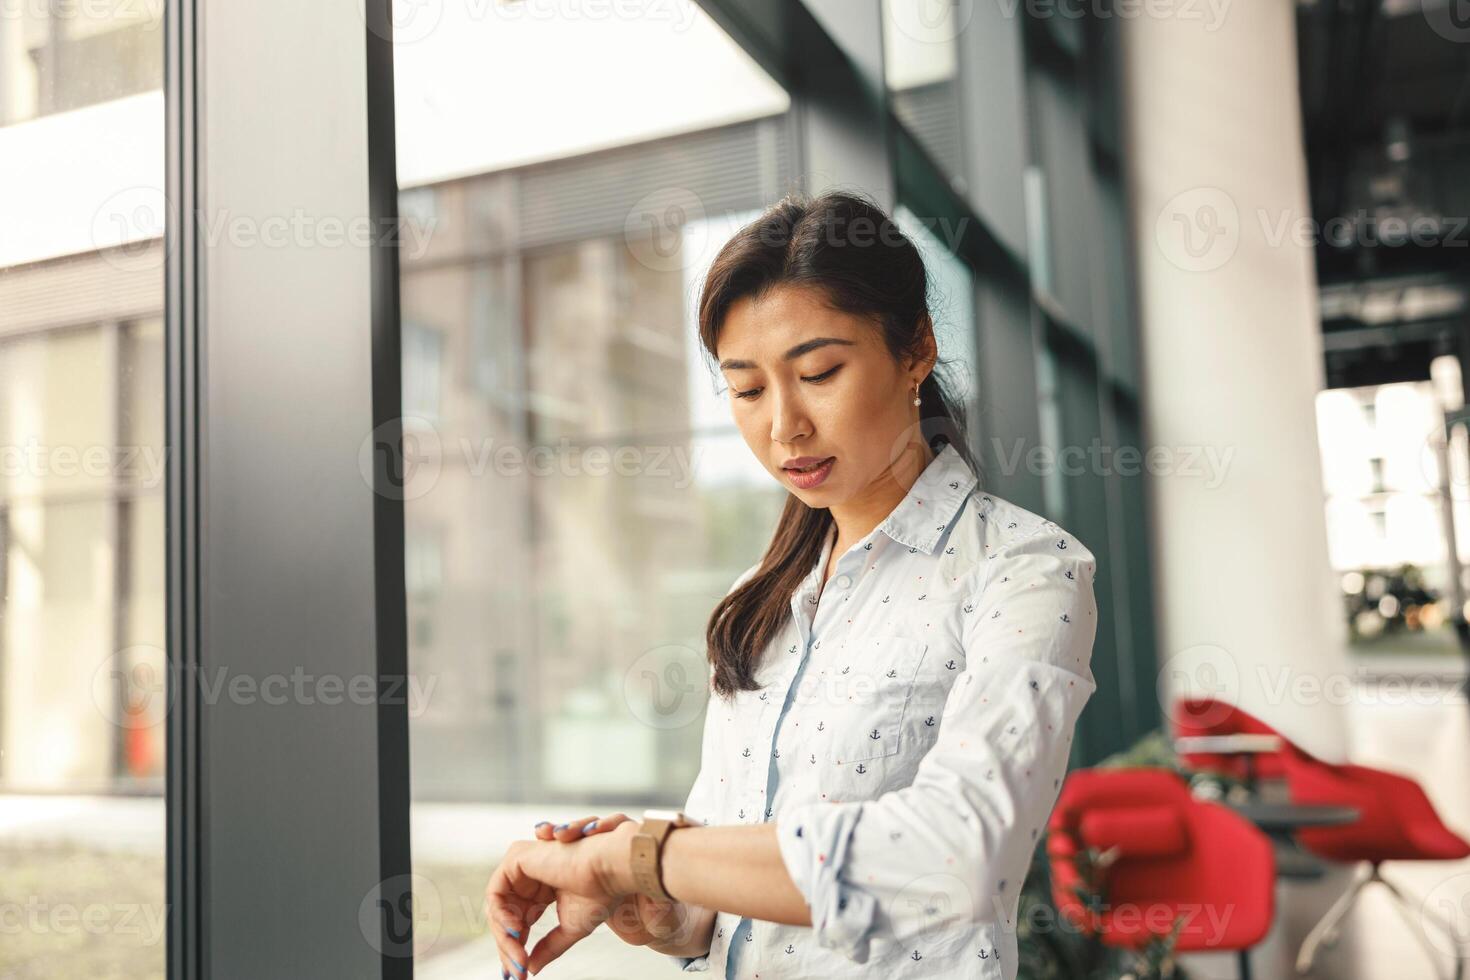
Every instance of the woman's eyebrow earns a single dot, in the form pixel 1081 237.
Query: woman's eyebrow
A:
pixel 805 347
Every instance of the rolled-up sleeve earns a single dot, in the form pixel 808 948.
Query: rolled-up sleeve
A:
pixel 954 845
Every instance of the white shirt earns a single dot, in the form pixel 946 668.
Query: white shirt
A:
pixel 909 739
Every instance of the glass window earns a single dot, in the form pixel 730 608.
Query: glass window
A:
pixel 1398 517
pixel 82 630
pixel 919 64
pixel 951 301
pixel 1063 156
pixel 582 498
pixel 57 56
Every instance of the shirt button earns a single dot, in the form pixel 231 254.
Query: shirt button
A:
pixel 843 581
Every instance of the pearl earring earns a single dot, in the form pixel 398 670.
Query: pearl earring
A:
pixel 916 394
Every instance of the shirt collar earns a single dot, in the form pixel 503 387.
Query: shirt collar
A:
pixel 922 516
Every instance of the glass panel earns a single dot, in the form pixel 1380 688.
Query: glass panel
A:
pixel 581 499
pixel 919 58
pixel 82 630
pixel 1069 223
pixel 951 302
pixel 57 56
pixel 1115 718
pixel 1395 486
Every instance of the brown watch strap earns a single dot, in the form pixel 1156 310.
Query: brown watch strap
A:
pixel 647 856
pixel 647 844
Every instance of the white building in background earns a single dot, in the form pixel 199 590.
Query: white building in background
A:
pixel 82 693
pixel 1382 449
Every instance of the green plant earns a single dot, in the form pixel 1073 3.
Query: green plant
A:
pixel 1051 948
pixel 1155 750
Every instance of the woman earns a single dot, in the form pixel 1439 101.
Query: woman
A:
pixel 894 685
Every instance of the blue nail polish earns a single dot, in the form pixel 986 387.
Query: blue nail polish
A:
pixel 542 823
pixel 560 826
pixel 589 826
pixel 519 967
pixel 513 932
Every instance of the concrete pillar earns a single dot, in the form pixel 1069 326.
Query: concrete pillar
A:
pixel 1232 363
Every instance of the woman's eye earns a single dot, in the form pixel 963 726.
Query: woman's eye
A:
pixel 814 379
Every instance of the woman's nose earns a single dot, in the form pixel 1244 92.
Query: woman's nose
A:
pixel 789 422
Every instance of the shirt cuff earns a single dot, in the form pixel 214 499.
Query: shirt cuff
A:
pixel 814 840
pixel 690 964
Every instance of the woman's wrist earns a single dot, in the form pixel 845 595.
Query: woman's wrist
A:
pixel 615 859
pixel 695 929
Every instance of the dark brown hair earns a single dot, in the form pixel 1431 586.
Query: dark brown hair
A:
pixel 845 246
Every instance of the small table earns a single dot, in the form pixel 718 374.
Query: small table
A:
pixel 1280 821
pixel 1243 744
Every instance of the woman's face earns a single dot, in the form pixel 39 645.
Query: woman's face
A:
pixel 808 381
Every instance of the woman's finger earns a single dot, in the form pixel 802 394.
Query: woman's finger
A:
pixel 557 830
pixel 512 950
pixel 572 829
pixel 604 824
pixel 554 943
pixel 511 942
pixel 577 829
pixel 506 918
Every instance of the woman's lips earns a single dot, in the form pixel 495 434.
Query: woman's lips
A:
pixel 807 479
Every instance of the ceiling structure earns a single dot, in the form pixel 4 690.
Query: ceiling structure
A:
pixel 1385 89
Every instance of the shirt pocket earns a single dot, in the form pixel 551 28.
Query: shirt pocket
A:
pixel 872 682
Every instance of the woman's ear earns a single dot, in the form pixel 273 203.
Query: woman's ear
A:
pixel 926 347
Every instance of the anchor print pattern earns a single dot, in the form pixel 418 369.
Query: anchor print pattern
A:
pixel 948 652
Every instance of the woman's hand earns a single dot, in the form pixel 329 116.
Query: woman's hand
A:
pixel 637 919
pixel 587 879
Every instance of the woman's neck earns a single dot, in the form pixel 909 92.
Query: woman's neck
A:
pixel 856 517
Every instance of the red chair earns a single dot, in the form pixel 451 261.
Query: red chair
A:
pixel 1397 823
pixel 1194 717
pixel 1168 855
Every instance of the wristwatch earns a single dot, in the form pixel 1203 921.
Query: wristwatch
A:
pixel 648 850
